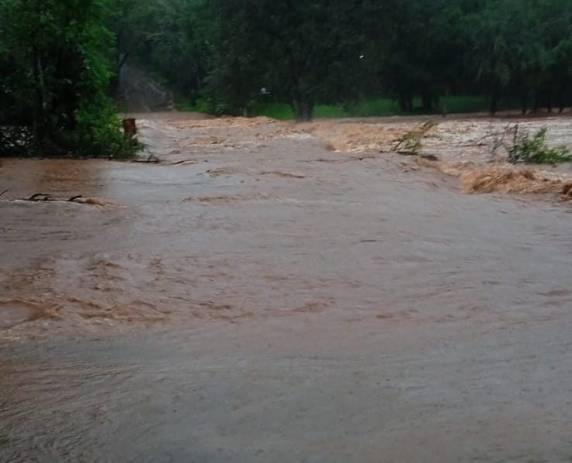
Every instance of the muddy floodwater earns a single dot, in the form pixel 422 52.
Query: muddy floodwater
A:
pixel 255 291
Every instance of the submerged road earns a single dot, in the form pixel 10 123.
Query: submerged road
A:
pixel 256 297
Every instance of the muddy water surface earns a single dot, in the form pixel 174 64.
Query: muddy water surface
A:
pixel 258 297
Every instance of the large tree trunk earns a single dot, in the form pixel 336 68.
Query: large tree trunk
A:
pixel 47 122
pixel 495 97
pixel 561 97
pixel 115 82
pixel 537 102
pixel 405 102
pixel 303 109
pixel 524 102
pixel 427 101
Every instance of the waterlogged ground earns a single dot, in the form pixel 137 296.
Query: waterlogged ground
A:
pixel 272 292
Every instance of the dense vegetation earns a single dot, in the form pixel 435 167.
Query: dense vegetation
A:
pixel 60 59
pixel 229 56
pixel 55 78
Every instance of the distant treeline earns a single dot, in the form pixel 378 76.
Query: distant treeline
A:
pixel 60 59
pixel 228 55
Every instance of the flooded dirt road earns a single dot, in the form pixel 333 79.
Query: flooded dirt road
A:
pixel 262 295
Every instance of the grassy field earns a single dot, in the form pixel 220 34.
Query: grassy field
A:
pixel 378 107
pixel 372 108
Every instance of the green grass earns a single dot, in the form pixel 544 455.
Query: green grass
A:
pixel 280 111
pixel 185 106
pixel 465 104
pixel 373 107
pixel 368 108
pixel 329 112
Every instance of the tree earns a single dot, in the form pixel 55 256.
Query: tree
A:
pixel 57 77
pixel 303 52
pixel 168 38
pixel 520 48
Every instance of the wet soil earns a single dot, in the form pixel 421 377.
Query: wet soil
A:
pixel 263 295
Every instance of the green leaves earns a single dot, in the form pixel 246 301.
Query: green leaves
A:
pixel 533 149
pixel 58 75
pixel 301 52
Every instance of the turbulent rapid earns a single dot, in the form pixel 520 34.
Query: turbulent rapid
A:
pixel 252 290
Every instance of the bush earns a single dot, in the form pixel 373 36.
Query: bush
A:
pixel 99 134
pixel 412 142
pixel 533 150
pixel 59 107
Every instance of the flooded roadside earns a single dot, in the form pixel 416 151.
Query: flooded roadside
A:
pixel 215 305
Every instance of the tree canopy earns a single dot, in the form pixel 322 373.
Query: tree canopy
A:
pixel 237 52
pixel 59 59
pixel 55 76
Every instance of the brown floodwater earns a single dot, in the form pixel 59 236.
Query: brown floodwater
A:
pixel 258 296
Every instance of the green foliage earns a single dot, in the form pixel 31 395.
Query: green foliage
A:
pixel 412 142
pixel 280 111
pixel 458 104
pixel 533 150
pixel 57 77
pixel 347 54
pixel 283 111
pixel 293 59
pixel 369 107
pixel 521 48
pixel 99 133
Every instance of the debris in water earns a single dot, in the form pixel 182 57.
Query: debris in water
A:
pixel 567 192
pixel 410 143
pixel 508 180
pixel 77 199
pixel 284 174
pixel 151 159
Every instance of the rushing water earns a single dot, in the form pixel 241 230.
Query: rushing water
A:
pixel 258 298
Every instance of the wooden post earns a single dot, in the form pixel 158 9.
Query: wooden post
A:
pixel 130 128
